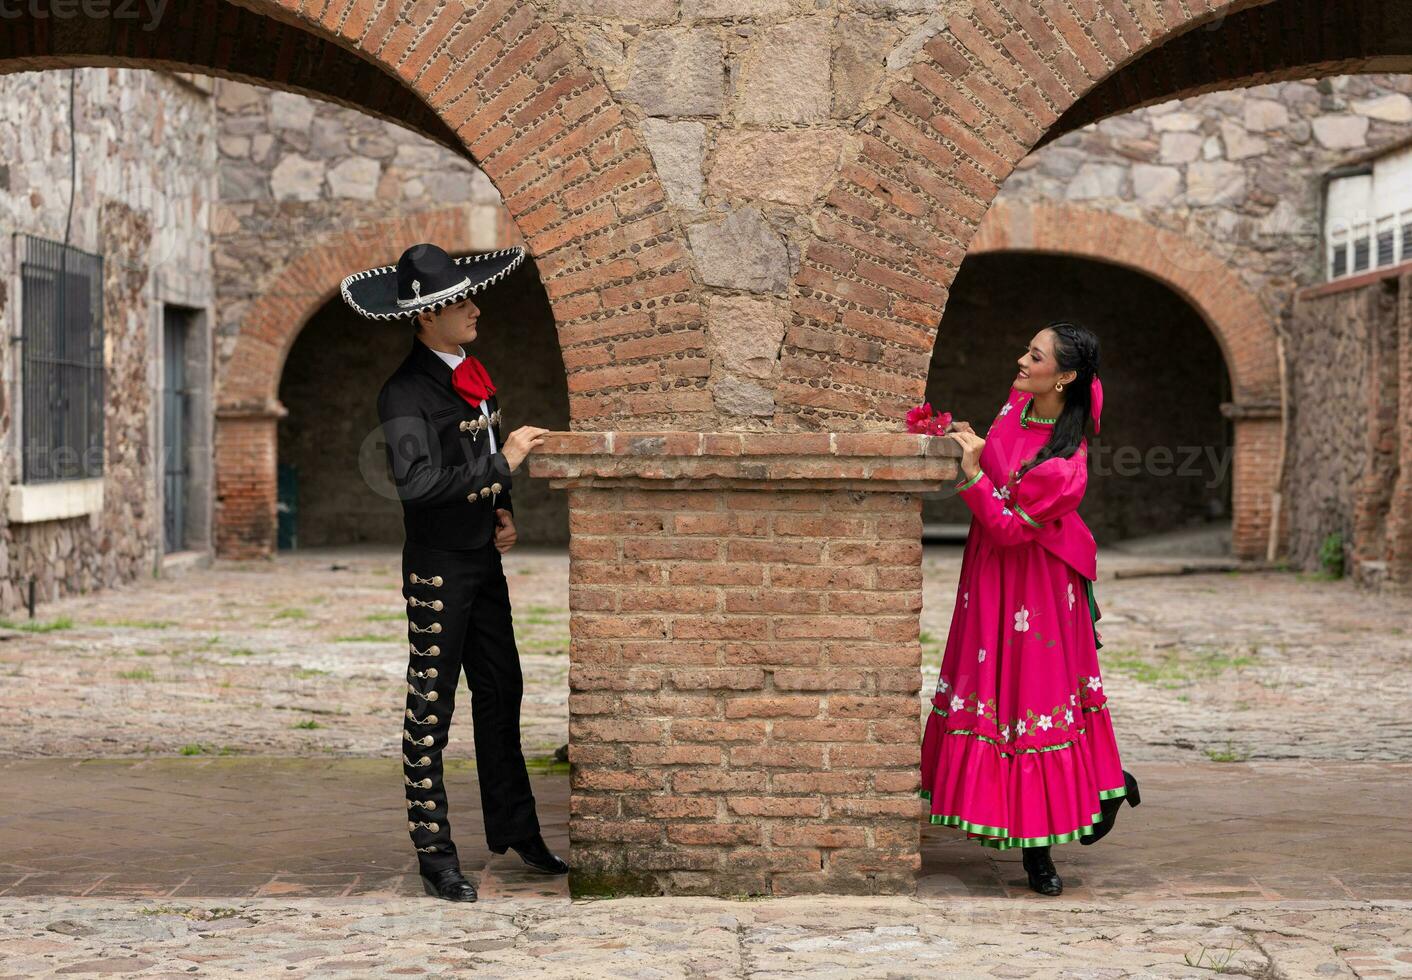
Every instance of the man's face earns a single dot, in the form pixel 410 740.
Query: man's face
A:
pixel 454 324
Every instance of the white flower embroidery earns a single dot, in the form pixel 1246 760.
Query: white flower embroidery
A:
pixel 1094 683
pixel 1019 728
pixel 1068 717
pixel 1071 595
pixel 1001 493
pixel 1022 620
pixel 1005 408
pixel 1005 734
pixel 956 703
pixel 980 657
pixel 1073 699
pixel 941 686
pixel 1043 722
pixel 1005 511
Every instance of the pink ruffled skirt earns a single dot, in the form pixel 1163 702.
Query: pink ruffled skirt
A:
pixel 1019 748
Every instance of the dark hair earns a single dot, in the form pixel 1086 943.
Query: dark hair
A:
pixel 1076 349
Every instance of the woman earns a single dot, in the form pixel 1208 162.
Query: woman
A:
pixel 1019 749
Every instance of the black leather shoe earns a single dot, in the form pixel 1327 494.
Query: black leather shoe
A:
pixel 1044 877
pixel 1110 808
pixel 450 884
pixel 536 854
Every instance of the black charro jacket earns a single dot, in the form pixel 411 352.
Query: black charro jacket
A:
pixel 448 480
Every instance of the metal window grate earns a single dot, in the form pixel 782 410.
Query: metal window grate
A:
pixel 62 362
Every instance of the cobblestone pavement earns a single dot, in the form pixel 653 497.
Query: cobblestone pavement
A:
pixel 283 854
pixel 317 827
pixel 683 937
pixel 237 658
pixel 303 655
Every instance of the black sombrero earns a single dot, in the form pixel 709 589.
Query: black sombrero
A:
pixel 426 278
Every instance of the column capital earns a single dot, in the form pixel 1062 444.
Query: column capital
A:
pixel 252 411
pixel 1239 411
pixel 895 462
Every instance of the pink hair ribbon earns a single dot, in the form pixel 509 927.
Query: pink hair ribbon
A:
pixel 1095 396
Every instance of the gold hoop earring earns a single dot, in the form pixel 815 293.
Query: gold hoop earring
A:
pixel 1058 386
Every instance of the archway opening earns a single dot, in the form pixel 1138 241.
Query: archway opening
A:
pixel 327 443
pixel 1160 469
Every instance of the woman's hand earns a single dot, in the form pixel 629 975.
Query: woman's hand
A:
pixel 958 427
pixel 521 443
pixel 971 446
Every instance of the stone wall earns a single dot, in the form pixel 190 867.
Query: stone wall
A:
pixel 1237 173
pixel 145 170
pixel 1351 439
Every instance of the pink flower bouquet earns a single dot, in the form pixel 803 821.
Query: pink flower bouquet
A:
pixel 921 421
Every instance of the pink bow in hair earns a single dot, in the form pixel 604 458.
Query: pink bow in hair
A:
pixel 1095 401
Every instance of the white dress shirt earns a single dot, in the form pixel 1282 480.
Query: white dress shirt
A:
pixel 453 360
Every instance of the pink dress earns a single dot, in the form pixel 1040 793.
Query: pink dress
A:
pixel 1019 748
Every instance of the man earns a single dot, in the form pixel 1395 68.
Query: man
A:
pixel 441 419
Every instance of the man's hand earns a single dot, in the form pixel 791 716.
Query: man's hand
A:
pixel 521 443
pixel 504 530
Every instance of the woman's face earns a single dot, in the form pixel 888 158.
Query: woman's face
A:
pixel 1039 369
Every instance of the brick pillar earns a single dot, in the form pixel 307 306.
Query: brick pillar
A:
pixel 245 450
pixel 745 663
pixel 1258 435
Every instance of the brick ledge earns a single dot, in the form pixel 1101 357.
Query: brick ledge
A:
pixel 879 462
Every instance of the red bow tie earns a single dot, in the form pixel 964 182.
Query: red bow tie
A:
pixel 472 381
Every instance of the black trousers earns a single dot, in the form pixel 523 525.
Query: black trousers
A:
pixel 458 615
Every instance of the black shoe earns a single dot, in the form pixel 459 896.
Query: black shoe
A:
pixel 1044 878
pixel 535 853
pixel 450 884
pixel 1110 808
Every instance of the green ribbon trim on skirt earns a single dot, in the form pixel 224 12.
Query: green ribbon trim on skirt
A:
pixel 1000 836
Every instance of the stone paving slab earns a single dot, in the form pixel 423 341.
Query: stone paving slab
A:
pixel 243 827
pixel 816 937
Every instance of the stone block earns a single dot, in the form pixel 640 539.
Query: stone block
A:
pixel 741 251
pixel 677 72
pixel 860 60
pixel 677 151
pixel 1214 182
pixel 1154 185
pixel 788 167
pixel 746 333
pixel 1341 132
pixel 785 79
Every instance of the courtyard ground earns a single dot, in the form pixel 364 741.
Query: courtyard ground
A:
pixel 198 775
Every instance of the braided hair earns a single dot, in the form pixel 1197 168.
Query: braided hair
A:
pixel 1076 349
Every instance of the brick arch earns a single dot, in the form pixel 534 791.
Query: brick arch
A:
pixel 873 281
pixel 1243 328
pixel 1234 314
pixel 1335 37
pixel 498 82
